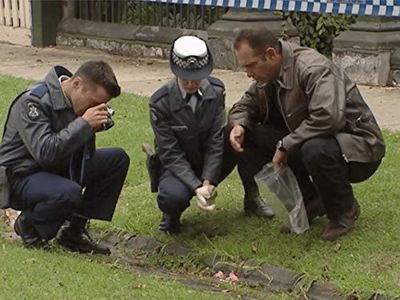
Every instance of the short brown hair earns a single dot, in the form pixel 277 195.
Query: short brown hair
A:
pixel 259 39
pixel 99 72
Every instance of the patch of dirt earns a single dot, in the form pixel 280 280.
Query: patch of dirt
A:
pixel 383 262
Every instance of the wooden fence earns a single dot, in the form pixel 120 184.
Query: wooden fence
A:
pixel 15 13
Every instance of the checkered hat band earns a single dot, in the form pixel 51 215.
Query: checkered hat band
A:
pixel 191 62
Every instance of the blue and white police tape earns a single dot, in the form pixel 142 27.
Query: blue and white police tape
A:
pixel 387 8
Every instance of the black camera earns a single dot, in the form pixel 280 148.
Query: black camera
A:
pixel 110 122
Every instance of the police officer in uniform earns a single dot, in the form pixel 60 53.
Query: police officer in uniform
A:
pixel 58 179
pixel 187 116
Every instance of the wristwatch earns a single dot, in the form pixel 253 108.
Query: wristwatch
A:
pixel 279 146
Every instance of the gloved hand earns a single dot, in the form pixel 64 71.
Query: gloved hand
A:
pixel 206 197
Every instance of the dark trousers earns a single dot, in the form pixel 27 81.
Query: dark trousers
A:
pixel 259 148
pixel 318 165
pixel 174 196
pixel 48 199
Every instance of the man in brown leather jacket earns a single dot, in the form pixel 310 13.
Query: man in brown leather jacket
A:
pixel 302 110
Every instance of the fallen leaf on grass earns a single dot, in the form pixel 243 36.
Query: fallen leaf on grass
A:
pixel 337 247
pixel 326 268
pixel 29 261
pixel 254 249
pixel 140 286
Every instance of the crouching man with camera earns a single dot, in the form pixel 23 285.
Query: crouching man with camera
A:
pixel 57 178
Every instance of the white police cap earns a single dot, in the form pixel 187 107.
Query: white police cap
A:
pixel 190 58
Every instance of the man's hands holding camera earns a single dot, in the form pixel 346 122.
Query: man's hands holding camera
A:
pixel 99 117
pixel 206 195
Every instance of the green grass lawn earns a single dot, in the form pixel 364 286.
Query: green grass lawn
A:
pixel 365 261
pixel 36 274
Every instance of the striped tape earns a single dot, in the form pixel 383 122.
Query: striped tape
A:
pixel 387 8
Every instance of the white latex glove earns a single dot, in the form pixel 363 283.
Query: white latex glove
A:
pixel 206 197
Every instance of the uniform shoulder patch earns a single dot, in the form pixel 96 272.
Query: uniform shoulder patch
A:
pixel 216 81
pixel 32 110
pixel 161 92
pixel 40 90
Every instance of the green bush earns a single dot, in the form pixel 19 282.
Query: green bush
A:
pixel 318 30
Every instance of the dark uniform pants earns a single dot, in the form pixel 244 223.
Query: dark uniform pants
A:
pixel 48 199
pixel 174 196
pixel 318 165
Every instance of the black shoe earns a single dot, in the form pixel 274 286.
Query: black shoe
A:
pixel 170 223
pixel 344 225
pixel 256 206
pixel 28 234
pixel 79 242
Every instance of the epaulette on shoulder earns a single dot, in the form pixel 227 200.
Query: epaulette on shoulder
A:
pixel 216 81
pixel 39 91
pixel 161 92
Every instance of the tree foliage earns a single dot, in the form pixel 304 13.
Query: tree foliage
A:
pixel 318 30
